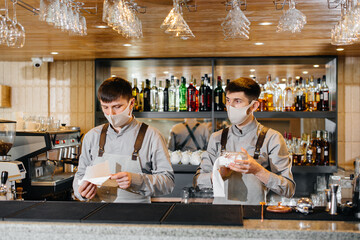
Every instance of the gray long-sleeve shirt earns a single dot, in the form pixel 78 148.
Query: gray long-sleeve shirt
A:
pixel 157 177
pixel 273 155
pixel 179 133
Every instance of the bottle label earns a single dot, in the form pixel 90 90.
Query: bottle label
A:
pixel 318 150
pixel 326 96
pixel 217 99
pixel 326 153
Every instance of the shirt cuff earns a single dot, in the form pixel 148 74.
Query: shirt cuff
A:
pixel 136 182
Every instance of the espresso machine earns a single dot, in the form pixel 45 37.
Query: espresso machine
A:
pixel 12 172
pixel 50 159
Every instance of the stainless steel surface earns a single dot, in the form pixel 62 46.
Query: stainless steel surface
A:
pixel 328 199
pixel 333 205
pixel 51 180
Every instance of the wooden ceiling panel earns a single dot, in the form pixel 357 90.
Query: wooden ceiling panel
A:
pixel 41 39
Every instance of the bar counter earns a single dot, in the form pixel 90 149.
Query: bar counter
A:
pixel 74 220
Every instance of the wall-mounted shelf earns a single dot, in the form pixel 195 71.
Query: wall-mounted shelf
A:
pixel 172 114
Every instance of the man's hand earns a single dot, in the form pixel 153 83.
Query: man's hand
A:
pixel 87 190
pixel 250 166
pixel 123 179
pixel 225 172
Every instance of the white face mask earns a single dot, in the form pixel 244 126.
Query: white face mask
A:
pixel 238 115
pixel 120 119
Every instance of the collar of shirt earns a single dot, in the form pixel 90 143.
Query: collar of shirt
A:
pixel 126 128
pixel 245 129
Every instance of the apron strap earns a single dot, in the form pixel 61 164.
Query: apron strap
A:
pixel 224 135
pixel 139 140
pixel 103 139
pixel 191 134
pixel 260 142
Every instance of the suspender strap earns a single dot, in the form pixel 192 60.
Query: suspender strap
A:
pixel 139 141
pixel 103 139
pixel 191 134
pixel 224 135
pixel 260 142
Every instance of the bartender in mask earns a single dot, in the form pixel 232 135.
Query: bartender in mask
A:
pixel 189 135
pixel 136 152
pixel 267 167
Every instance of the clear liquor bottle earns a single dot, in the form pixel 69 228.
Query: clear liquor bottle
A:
pixel 324 95
pixel 135 94
pixel 161 97
pixel 172 95
pixel 288 96
pixel 141 97
pixel 312 106
pixel 182 95
pixel 269 94
pixel 154 97
pixel 317 95
pixel 278 98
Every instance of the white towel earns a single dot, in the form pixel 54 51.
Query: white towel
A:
pixel 218 182
pixel 97 174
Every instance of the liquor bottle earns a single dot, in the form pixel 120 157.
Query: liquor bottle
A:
pixel 299 97
pixel 218 95
pixel 317 95
pixel 312 95
pixel 298 158
pixel 166 95
pixel 191 97
pixel 324 95
pixel 202 95
pixel 182 95
pixel 161 97
pixel 135 93
pixel 304 93
pixel 326 149
pixel 197 96
pixel 172 95
pixel 278 102
pixel 269 89
pixel 177 102
pixel 308 152
pixel 208 93
pixel 262 100
pixel 141 97
pixel 147 96
pixel 224 95
pixel 288 96
pixel 318 148
pixel 154 97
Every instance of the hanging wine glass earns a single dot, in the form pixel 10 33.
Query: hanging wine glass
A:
pixel 20 30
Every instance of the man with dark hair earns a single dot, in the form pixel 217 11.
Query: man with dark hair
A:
pixel 267 165
pixel 136 153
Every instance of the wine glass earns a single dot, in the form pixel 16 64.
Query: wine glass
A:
pixel 19 30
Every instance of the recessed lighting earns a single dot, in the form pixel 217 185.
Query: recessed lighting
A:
pixel 127 45
pixel 101 26
pixel 251 75
pixel 297 77
pixel 339 49
pixel 265 23
pixel 316 66
pixel 166 72
pixel 284 79
pixel 54 53
pixel 305 72
pixel 252 70
pixel 259 43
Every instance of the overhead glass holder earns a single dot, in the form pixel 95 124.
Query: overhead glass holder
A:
pixel 280 4
pixel 229 4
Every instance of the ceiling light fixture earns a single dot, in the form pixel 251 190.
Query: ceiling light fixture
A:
pixel 265 23
pixel 339 49
pixel 316 66
pixel 259 43
pixel 127 45
pixel 297 77
pixel 166 72
pixel 101 26
pixel 305 72
pixel 113 75
pixel 284 79
pixel 252 70
pixel 54 53
pixel 251 75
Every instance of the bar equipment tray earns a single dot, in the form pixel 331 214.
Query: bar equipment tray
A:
pixel 205 214
pixel 56 211
pixel 130 213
